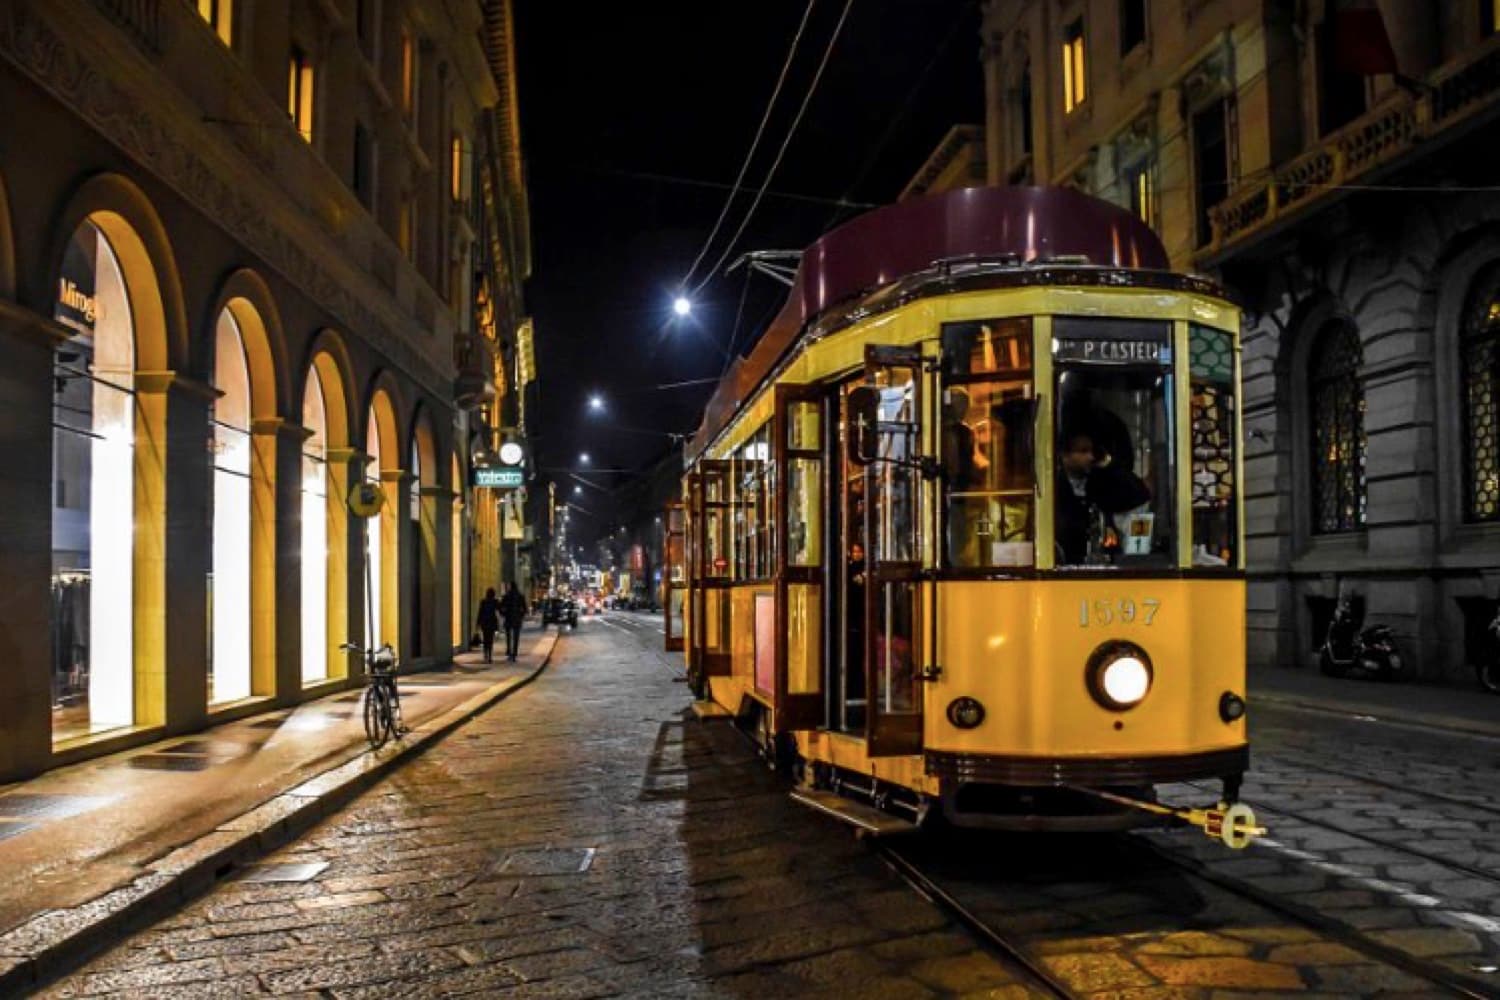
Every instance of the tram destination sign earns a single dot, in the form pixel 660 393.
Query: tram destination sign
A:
pixel 499 477
pixel 1108 351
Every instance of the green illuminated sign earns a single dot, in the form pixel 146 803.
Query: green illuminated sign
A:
pixel 499 477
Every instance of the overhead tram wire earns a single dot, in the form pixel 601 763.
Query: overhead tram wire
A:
pixel 791 131
pixel 754 144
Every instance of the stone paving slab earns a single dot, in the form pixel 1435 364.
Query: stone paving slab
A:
pixel 43 945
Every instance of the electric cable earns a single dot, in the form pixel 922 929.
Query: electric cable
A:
pixel 754 144
pixel 780 153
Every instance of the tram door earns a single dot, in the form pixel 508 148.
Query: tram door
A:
pixel 708 635
pixel 673 574
pixel 893 589
pixel 798 454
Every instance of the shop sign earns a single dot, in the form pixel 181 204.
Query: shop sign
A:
pixel 498 478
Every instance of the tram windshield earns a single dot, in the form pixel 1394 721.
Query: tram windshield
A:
pixel 1114 496
pixel 987 443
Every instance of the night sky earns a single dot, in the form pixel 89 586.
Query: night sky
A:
pixel 635 119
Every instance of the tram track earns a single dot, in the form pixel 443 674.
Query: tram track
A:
pixel 983 905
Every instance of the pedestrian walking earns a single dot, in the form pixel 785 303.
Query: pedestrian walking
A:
pixel 513 611
pixel 488 621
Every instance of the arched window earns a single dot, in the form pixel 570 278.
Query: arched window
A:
pixel 229 580
pixel 1479 362
pixel 314 532
pixel 1336 408
pixel 93 493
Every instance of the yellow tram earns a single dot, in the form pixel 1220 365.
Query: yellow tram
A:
pixel 963 534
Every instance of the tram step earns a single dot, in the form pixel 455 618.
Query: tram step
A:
pixel 711 710
pixel 856 814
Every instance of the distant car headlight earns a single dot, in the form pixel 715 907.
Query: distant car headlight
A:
pixel 1119 675
pixel 965 712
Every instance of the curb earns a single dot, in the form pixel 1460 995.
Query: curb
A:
pixel 51 943
pixel 1383 713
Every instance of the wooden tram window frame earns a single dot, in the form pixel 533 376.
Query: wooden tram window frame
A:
pixel 804 710
pixel 715 662
pixel 675 513
pixel 891 734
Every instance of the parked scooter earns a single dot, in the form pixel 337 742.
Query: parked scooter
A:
pixel 1488 667
pixel 1350 651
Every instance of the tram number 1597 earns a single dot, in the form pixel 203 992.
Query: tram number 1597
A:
pixel 1125 610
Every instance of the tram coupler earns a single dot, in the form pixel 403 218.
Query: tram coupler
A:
pixel 1232 824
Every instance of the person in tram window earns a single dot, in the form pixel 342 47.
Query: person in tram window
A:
pixel 1091 490
pixel 513 611
pixel 488 623
pixel 964 468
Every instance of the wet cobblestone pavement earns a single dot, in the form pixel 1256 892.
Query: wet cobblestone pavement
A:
pixel 588 838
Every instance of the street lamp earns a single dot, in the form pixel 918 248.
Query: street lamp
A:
pixel 596 403
pixel 583 458
pixel 682 305
pixel 577 489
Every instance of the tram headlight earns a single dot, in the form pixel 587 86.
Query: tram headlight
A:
pixel 965 712
pixel 1119 675
pixel 1231 707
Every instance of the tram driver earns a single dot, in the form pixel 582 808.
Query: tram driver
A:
pixel 1091 490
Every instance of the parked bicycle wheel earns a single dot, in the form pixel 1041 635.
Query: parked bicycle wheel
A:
pixel 378 722
pixel 1489 675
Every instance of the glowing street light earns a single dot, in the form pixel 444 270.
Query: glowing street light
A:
pixel 583 458
pixel 577 489
pixel 596 403
pixel 682 305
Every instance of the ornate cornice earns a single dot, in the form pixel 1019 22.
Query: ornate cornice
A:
pixel 133 121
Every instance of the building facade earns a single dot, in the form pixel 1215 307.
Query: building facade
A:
pixel 1328 161
pixel 240 266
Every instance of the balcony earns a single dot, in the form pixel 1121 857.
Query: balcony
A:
pixel 1390 133
pixel 474 359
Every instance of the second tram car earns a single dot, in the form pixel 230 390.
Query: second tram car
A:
pixel 963 534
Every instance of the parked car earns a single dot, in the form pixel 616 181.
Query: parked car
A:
pixel 560 611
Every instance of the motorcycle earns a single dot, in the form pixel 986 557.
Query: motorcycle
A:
pixel 1351 651
pixel 1488 667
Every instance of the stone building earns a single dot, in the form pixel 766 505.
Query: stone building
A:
pixel 1331 161
pixel 251 254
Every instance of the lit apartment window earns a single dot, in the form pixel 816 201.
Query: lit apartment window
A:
pixel 1075 89
pixel 218 14
pixel 1132 25
pixel 299 92
pixel 1140 186
pixel 456 166
pixel 408 75
pixel 1489 16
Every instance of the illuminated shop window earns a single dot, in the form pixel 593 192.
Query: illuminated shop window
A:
pixel 219 14
pixel 229 577
pixel 299 99
pixel 314 532
pixel 93 489
pixel 373 538
pixel 1075 86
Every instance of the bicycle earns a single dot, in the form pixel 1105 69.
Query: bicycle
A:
pixel 382 701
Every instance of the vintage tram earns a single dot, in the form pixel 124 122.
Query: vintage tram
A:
pixel 963 535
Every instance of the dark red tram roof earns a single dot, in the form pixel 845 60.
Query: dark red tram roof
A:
pixel 886 244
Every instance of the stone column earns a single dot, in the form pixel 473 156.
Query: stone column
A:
pixel 275 558
pixel 437 544
pixel 395 583
pixel 26 343
pixel 173 546
pixel 345 561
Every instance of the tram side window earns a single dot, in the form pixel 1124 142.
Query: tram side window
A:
pixel 752 509
pixel 1115 463
pixel 987 446
pixel 1211 363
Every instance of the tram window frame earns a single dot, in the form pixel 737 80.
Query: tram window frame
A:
pixel 753 522
pixel 1213 372
pixel 1119 350
pixel 1016 381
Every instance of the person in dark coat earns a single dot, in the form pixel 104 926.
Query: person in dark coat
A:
pixel 513 611
pixel 1090 486
pixel 489 622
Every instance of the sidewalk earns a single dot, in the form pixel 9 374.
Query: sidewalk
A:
pixel 1451 708
pixel 91 847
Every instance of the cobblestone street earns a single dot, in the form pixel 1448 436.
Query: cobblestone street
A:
pixel 589 837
